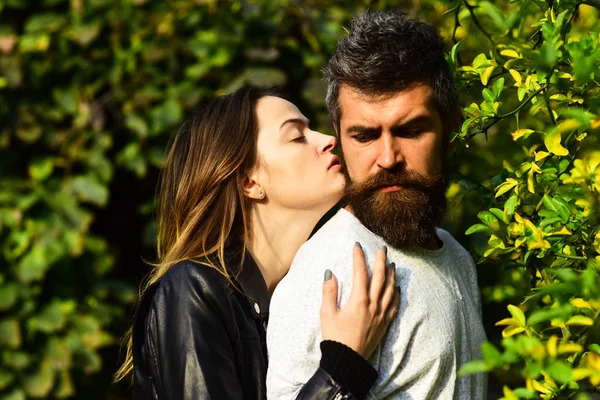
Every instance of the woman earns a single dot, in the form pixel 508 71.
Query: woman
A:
pixel 244 184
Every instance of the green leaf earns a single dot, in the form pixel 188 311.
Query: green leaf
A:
pixel 560 371
pixel 595 348
pixel 481 61
pixel 509 207
pixel 473 367
pixel 10 333
pixel 6 378
pixel 33 265
pixel 44 22
pixel 477 228
pixel 489 219
pixel 9 294
pixel 491 355
pixel 498 213
pixel 488 95
pixel 547 201
pixel 137 125
pixel 87 188
pixel 66 98
pixel 16 394
pixel 498 86
pixel 40 382
pixel 51 319
pixel 16 359
pixel 41 169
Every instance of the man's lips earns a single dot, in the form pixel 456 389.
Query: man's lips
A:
pixel 389 189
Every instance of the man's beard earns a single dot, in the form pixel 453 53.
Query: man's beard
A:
pixel 406 218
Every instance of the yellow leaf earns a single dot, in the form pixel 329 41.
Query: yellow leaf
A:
pixel 510 53
pixel 593 360
pixel 552 142
pixel 568 125
pixel 516 76
pixel 539 387
pixel 581 373
pixel 506 186
pixel 564 231
pixel 517 314
pixel 520 241
pixel 580 303
pixel 539 242
pixel 509 394
pixel 512 330
pixel 540 155
pixel 521 132
pixel 507 321
pixel 580 320
pixel 552 345
pixel 530 181
pixel 564 75
pixel 570 348
pixel 518 218
pixel 485 75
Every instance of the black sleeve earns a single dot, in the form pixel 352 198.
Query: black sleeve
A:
pixel 342 371
pixel 189 338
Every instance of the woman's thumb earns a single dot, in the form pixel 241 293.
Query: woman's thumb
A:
pixel 330 292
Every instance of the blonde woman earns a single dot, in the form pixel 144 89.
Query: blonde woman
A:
pixel 245 182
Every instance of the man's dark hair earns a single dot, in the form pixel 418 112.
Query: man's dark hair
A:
pixel 385 53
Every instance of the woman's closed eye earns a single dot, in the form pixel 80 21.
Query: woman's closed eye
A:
pixel 299 139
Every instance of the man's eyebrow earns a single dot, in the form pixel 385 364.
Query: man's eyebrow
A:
pixel 299 121
pixel 426 120
pixel 363 129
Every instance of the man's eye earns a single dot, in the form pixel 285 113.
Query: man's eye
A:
pixel 363 138
pixel 299 139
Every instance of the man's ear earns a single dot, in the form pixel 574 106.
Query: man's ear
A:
pixel 252 189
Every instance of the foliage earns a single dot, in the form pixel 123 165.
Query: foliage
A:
pixel 539 83
pixel 90 91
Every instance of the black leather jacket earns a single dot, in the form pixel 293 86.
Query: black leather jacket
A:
pixel 196 337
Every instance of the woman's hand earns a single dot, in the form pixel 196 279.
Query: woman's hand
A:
pixel 372 306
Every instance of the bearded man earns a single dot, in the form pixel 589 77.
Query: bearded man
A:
pixel 393 103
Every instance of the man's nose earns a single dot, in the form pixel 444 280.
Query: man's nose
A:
pixel 390 154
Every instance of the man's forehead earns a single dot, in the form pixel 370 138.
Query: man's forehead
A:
pixel 357 105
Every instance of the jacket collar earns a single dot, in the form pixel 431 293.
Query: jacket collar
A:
pixel 254 286
pixel 248 276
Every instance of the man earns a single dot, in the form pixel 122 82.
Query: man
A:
pixel 393 103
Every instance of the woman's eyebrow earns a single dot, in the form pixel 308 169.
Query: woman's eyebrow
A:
pixel 299 121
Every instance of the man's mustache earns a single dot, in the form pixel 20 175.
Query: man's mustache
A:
pixel 407 179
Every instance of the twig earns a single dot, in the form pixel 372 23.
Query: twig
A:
pixel 472 12
pixel 498 118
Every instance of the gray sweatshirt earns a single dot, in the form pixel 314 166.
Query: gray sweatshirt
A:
pixel 438 328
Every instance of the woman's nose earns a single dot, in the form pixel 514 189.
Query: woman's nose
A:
pixel 329 143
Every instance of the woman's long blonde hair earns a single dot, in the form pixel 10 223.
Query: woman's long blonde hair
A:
pixel 201 201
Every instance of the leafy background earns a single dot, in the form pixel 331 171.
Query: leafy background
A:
pixel 91 90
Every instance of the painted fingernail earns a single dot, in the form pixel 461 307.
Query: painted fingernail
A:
pixel 392 266
pixel 358 245
pixel 398 289
pixel 384 249
pixel 328 275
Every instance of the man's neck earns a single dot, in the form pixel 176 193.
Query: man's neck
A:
pixel 276 237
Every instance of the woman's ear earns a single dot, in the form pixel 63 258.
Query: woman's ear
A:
pixel 253 189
